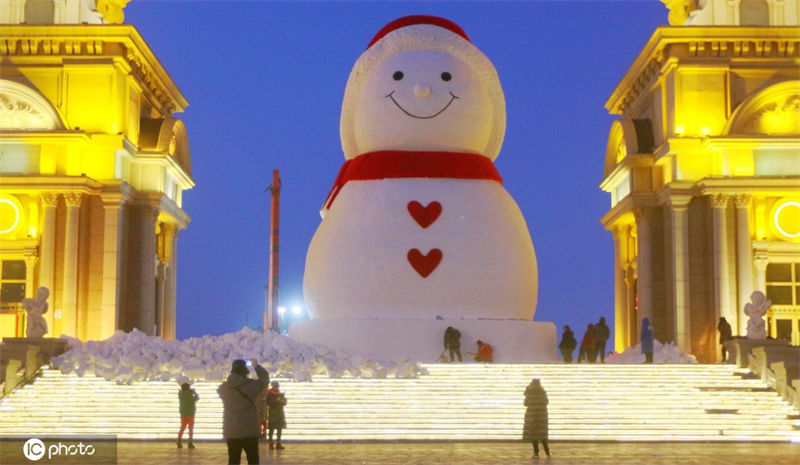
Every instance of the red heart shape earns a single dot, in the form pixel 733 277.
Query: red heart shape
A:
pixel 424 264
pixel 424 216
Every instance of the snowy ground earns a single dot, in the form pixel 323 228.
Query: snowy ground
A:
pixel 133 357
pixel 662 353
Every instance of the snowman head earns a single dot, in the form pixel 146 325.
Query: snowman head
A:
pixel 421 85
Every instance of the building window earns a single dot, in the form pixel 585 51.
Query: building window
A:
pixel 783 283
pixel 754 13
pixel 39 12
pixel 12 284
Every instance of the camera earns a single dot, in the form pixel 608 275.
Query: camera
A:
pixel 249 363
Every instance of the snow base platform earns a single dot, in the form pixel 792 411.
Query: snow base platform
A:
pixel 454 402
pixel 513 341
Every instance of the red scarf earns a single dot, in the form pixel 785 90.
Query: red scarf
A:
pixel 387 164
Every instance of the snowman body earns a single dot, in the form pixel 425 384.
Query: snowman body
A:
pixel 358 262
pixel 432 245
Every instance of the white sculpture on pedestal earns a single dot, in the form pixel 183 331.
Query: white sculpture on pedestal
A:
pixel 756 309
pixel 36 307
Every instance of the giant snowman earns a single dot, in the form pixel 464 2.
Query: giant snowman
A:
pixel 418 232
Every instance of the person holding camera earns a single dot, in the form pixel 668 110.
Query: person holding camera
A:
pixel 240 425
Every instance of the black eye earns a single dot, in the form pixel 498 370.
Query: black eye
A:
pixel 446 76
pixel 397 75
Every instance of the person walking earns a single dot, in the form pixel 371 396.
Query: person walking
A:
pixel 535 427
pixel 568 344
pixel 587 345
pixel 276 417
pixel 601 335
pixel 646 339
pixel 725 334
pixel 452 342
pixel 240 425
pixel 187 405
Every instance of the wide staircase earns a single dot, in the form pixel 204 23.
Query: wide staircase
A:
pixel 452 402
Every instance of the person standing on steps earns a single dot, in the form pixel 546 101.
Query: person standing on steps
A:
pixel 567 344
pixel 187 400
pixel 276 416
pixel 601 335
pixel 240 425
pixel 452 342
pixel 646 339
pixel 536 422
pixel 587 345
pixel 725 334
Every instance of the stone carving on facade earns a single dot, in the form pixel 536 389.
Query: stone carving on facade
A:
pixel 679 11
pixel 720 201
pixel 73 199
pixel 49 199
pixel 18 114
pixel 36 307
pixel 776 118
pixel 742 200
pixel 112 10
pixel 756 309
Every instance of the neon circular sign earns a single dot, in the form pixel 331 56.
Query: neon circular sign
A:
pixel 16 214
pixel 776 219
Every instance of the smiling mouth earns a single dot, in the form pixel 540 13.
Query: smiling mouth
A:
pixel 452 98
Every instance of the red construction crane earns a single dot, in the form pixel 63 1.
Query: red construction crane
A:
pixel 271 317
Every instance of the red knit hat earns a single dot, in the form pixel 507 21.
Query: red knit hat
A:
pixel 422 33
pixel 418 19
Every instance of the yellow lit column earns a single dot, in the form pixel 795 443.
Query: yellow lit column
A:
pixel 161 282
pixel 679 209
pixel 47 251
pixel 147 268
pixel 644 266
pixel 113 205
pixel 69 302
pixel 619 291
pixel 721 272
pixel 744 261
pixel 31 258
pixel 760 260
pixel 631 336
pixel 171 242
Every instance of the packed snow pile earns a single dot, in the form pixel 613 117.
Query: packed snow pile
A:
pixel 662 353
pixel 132 357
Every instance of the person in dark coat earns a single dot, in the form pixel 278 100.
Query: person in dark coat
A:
pixel 187 406
pixel 646 339
pixel 568 344
pixel 240 425
pixel 725 334
pixel 587 345
pixel 276 419
pixel 535 427
pixel 452 342
pixel 601 335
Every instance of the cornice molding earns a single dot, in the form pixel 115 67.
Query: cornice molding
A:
pixel 699 42
pixel 121 40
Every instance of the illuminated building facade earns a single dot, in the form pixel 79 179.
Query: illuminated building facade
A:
pixel 92 170
pixel 703 169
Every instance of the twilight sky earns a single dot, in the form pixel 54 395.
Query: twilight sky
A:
pixel 265 82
